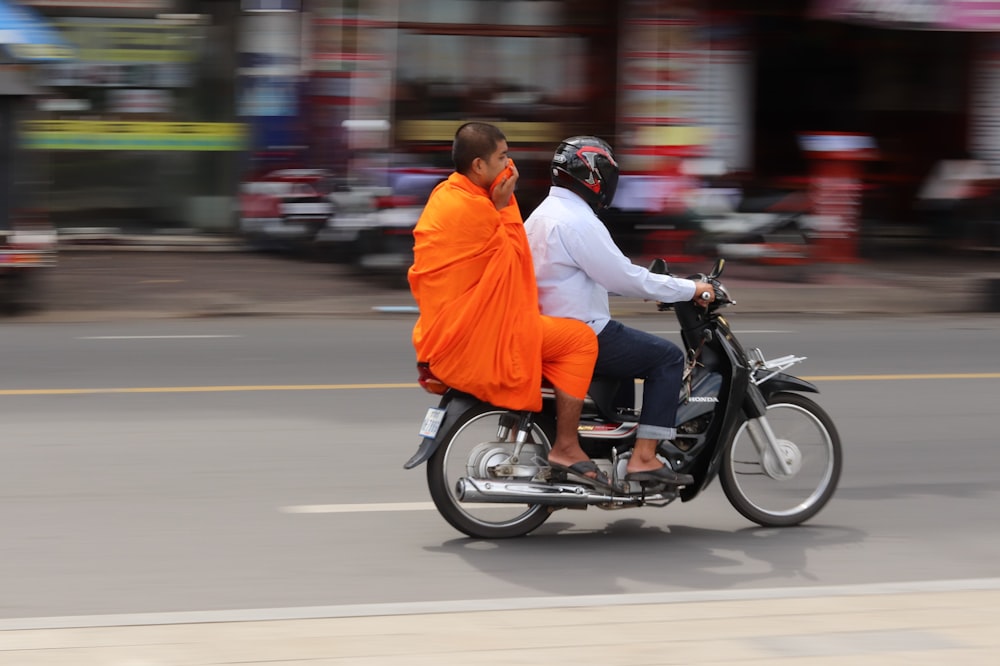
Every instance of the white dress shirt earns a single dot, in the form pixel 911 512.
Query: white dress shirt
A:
pixel 577 264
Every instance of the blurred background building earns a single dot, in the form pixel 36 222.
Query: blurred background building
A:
pixel 168 105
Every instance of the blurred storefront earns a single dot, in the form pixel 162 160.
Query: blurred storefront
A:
pixel 140 128
pixel 390 81
pixel 28 42
pixel 170 103
pixel 348 94
pixel 541 70
pixel 915 79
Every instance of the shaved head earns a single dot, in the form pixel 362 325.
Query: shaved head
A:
pixel 474 140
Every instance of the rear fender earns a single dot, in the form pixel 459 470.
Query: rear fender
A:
pixel 455 404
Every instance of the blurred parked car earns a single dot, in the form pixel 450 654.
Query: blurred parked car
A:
pixel 26 255
pixel 285 207
pixel 652 217
pixel 353 202
pixel 378 236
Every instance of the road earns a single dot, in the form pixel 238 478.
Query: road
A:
pixel 256 463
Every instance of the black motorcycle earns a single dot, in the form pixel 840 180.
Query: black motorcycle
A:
pixel 740 417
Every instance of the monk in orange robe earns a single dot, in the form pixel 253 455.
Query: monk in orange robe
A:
pixel 480 328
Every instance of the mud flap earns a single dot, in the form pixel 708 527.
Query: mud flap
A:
pixel 453 404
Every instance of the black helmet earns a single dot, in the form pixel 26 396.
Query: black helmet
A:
pixel 587 166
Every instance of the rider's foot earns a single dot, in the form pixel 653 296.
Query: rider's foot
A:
pixel 585 471
pixel 566 459
pixel 662 474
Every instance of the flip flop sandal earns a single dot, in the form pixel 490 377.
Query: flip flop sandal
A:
pixel 578 472
pixel 663 475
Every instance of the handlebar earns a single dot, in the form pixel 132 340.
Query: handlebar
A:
pixel 722 297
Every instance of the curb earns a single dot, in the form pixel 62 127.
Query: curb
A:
pixel 100 239
pixel 912 286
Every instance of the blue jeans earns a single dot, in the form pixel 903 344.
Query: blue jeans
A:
pixel 628 353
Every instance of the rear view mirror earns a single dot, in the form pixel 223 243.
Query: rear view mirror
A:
pixel 658 266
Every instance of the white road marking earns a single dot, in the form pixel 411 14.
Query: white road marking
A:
pixel 406 309
pixel 740 331
pixel 361 387
pixel 380 507
pixel 155 337
pixel 359 508
pixel 510 604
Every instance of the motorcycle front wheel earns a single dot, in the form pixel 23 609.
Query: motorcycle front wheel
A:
pixel 471 448
pixel 760 489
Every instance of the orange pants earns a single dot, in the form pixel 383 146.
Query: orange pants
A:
pixel 569 351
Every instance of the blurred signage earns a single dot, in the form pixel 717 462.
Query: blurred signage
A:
pixel 124 53
pixel 128 40
pixel 685 88
pixel 148 136
pixel 837 142
pixel 270 77
pixel 974 14
pixel 26 35
pixel 116 75
pixel 915 14
pixel 444 130
pixel 139 100
pixel 985 104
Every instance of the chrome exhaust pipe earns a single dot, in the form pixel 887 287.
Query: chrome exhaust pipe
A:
pixel 519 492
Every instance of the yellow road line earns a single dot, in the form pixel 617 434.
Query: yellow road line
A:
pixel 203 389
pixel 361 387
pixel 883 378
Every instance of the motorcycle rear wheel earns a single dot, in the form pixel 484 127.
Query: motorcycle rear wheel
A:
pixel 809 441
pixel 470 448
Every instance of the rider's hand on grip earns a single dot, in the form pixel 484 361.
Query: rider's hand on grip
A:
pixel 704 293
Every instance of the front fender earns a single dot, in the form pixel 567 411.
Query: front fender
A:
pixel 782 382
pixel 455 404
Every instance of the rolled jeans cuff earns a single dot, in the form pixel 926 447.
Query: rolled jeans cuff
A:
pixel 655 432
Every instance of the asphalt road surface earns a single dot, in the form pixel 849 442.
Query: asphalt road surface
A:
pixel 256 463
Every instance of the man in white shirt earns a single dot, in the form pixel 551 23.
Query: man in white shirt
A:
pixel 577 263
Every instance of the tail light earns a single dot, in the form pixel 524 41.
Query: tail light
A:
pixel 428 381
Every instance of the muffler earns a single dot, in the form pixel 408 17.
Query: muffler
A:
pixel 520 492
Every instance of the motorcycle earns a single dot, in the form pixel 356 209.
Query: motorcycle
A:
pixel 741 418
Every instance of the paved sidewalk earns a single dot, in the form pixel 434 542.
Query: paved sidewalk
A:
pixel 96 284
pixel 856 628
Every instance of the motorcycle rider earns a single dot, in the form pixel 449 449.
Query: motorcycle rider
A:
pixel 480 328
pixel 577 263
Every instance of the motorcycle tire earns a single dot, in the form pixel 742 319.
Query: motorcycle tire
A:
pixel 470 448
pixel 759 489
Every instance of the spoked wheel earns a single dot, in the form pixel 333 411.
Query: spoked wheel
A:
pixel 471 449
pixel 770 494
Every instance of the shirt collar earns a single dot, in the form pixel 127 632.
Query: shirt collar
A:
pixel 569 196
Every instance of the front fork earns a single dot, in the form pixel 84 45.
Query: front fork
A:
pixel 768 448
pixel 761 434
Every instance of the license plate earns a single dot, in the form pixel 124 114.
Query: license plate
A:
pixel 432 421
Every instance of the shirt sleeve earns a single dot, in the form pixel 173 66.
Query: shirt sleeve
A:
pixel 590 245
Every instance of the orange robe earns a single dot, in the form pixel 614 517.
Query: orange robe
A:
pixel 480 326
